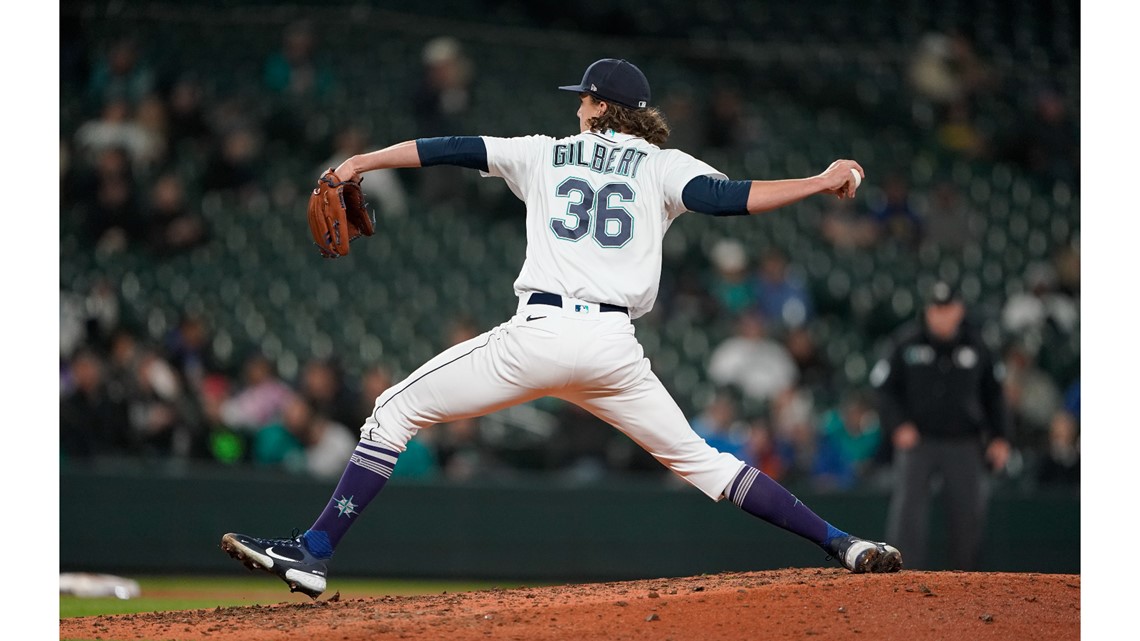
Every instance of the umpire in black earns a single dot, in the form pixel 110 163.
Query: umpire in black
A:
pixel 942 408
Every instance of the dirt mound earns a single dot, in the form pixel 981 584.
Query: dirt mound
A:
pixel 783 604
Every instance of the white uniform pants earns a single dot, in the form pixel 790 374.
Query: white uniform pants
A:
pixel 576 353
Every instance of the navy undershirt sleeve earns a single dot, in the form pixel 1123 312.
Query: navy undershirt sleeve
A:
pixel 463 151
pixel 717 196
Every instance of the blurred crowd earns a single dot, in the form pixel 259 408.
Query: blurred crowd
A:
pixel 779 402
pixel 148 145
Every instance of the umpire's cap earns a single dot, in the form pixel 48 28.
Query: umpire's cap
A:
pixel 614 80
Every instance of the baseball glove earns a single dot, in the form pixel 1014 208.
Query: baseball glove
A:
pixel 338 215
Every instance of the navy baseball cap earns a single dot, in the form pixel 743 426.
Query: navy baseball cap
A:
pixel 614 81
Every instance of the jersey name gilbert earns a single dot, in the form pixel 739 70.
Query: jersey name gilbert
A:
pixel 603 159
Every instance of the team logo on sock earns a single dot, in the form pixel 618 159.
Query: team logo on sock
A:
pixel 346 507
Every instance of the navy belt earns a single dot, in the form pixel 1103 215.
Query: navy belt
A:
pixel 544 298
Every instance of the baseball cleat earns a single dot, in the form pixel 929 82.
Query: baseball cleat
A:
pixel 855 554
pixel 890 559
pixel 289 559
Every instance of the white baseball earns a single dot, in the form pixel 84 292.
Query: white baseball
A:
pixel 858 178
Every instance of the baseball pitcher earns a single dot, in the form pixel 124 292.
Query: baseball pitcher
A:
pixel 598 205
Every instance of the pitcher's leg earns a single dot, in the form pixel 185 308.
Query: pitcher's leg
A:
pixel 648 414
pixel 493 371
pixel 476 377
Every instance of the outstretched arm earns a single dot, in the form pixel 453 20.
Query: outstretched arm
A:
pixel 766 195
pixel 397 156
pixel 464 151
pixel 708 195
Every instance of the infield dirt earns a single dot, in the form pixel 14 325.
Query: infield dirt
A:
pixel 831 604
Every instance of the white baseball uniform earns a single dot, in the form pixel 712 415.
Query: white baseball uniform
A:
pixel 598 206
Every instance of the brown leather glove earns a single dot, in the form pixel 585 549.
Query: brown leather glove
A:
pixel 338 215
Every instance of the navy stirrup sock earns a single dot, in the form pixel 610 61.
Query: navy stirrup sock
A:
pixel 756 493
pixel 367 471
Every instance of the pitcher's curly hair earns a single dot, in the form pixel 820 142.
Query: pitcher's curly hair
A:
pixel 647 123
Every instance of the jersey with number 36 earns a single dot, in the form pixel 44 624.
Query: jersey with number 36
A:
pixel 598 206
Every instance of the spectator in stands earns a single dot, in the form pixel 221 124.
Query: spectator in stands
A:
pixel 732 284
pixel 763 451
pixel 720 426
pixel 440 106
pixel 1031 394
pixel 93 421
pixel 261 399
pixel 686 294
pixel 88 319
pixel 120 74
pixel 1061 463
pixel 1073 399
pixel 1047 141
pixel 233 163
pixel 750 360
pixel 171 227
pixel 793 419
pixel 226 445
pixel 165 421
pixel 951 223
pixel 324 386
pixel 844 226
pixel 293 71
pixel 118 128
pixel 1068 264
pixel 781 295
pixel 815 372
pixel 947 69
pixel 305 441
pixel 1042 308
pixel 151 116
pixel 959 134
pixel 443 98
pixel 187 347
pixel 462 452
pixel 164 418
pixel 895 214
pixel 300 83
pixel 725 125
pixel 114 221
pixel 186 117
pixel 849 439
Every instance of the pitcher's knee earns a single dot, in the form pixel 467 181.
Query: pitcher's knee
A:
pixel 387 433
pixel 709 471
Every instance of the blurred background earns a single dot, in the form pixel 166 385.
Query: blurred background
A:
pixel 214 369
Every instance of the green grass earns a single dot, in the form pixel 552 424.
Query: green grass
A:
pixel 162 594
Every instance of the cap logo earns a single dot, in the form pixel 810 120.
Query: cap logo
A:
pixel 640 103
pixel 593 87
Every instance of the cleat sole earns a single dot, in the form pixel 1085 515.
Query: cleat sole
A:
pixel 304 583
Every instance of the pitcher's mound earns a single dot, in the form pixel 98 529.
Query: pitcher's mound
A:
pixel 831 604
